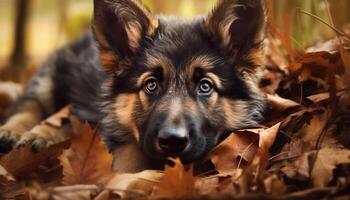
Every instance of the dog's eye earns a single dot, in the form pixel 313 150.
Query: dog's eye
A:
pixel 151 85
pixel 205 86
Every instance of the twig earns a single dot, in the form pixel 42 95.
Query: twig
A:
pixel 324 22
pixel 75 188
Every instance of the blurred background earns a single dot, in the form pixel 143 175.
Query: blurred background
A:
pixel 31 29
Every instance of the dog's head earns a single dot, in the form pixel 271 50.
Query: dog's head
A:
pixel 178 86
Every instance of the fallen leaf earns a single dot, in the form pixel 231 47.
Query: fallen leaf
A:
pixel 317 64
pixel 72 192
pixel 312 131
pixel 274 185
pixel 56 119
pixel 299 169
pixel 322 96
pixel 134 185
pixel 280 104
pixel 235 151
pixel 345 56
pixel 177 182
pixel 87 161
pixel 327 159
pixel 4 174
pixel 219 183
pixel 267 137
pixel 20 162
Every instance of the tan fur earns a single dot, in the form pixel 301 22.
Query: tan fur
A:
pixel 144 100
pixel 108 60
pixel 232 110
pixel 124 108
pixel 30 114
pixel 213 101
pixel 215 79
pixel 142 78
pixel 45 135
pixel 200 61
pixel 162 62
pixel 191 107
pixel 129 158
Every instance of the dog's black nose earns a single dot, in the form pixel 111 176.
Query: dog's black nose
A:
pixel 173 140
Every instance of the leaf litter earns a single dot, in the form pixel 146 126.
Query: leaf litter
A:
pixel 301 151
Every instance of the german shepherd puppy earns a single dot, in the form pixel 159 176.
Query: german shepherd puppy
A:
pixel 158 86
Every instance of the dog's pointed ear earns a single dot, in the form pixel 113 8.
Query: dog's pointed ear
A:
pixel 237 24
pixel 120 26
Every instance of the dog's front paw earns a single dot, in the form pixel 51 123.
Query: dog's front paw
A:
pixel 43 136
pixel 8 139
pixel 38 143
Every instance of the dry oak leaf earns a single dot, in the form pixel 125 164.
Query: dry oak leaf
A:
pixel 56 120
pixel 241 148
pixel 134 185
pixel 300 168
pixel 236 150
pixel 20 162
pixel 177 182
pixel 326 161
pixel 267 137
pixel 316 64
pixel 87 161
pixel 4 175
pixel 312 131
pixel 280 104
pixel 219 183
pixel 72 192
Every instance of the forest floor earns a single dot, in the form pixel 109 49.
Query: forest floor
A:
pixel 302 149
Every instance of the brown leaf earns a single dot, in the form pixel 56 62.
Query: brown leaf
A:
pixel 316 64
pixel 177 182
pixel 267 137
pixel 87 161
pixel 134 185
pixel 300 168
pixel 5 175
pixel 280 104
pixel 72 192
pixel 56 119
pixel 327 159
pixel 236 150
pixel 219 183
pixel 312 131
pixel 20 162
pixel 345 56
pixel 322 96
pixel 274 185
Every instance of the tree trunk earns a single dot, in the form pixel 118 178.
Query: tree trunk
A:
pixel 18 59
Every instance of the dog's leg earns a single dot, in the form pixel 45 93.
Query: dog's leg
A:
pixel 28 115
pixel 45 135
pixel 33 106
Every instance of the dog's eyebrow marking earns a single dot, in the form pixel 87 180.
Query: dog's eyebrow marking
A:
pixel 204 62
pixel 141 79
pixel 159 61
pixel 216 79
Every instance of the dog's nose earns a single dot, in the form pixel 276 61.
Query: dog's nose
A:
pixel 173 140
